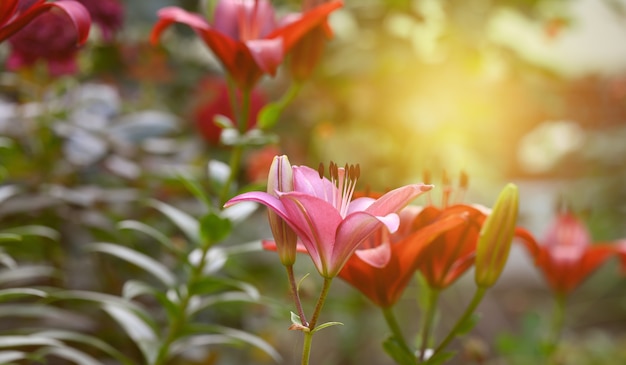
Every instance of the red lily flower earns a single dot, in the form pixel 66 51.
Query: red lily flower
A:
pixel 213 100
pixel 383 265
pixel 567 256
pixel 107 14
pixel 16 14
pixel 245 36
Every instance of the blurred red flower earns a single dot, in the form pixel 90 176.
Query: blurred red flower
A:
pixel 16 14
pixel 213 100
pixel 258 163
pixel 47 38
pixel 107 14
pixel 245 35
pixel 566 256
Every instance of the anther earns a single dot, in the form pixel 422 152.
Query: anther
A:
pixel 464 180
pixel 320 170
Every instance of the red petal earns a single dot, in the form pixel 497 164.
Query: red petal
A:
pixel 77 13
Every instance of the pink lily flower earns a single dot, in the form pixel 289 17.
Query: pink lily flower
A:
pixel 331 225
pixel 245 35
pixel 16 14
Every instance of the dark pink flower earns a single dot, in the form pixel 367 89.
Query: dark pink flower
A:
pixel 47 38
pixel 107 14
pixel 16 14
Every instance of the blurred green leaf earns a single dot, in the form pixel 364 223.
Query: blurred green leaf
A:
pixel 232 296
pixel 137 329
pixel 26 273
pixel 6 237
pixel 8 294
pixel 134 288
pixel 439 358
pixel 467 325
pixel 196 189
pixel 214 228
pixel 397 352
pixel 71 354
pixel 34 230
pixel 213 284
pixel 236 336
pixel 269 115
pixel 186 223
pixel 85 339
pixel 7 356
pixel 149 231
pixel 17 341
pixel 157 269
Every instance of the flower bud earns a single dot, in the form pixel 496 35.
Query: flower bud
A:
pixel 280 180
pixel 496 235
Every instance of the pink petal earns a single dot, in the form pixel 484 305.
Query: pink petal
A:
pixel 351 232
pixel 378 256
pixel 396 199
pixel 308 181
pixel 316 223
pixel 360 204
pixel 267 53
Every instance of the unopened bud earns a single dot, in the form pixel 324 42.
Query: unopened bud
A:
pixel 280 179
pixel 496 235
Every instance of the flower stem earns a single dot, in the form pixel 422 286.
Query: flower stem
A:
pixel 308 334
pixel 429 317
pixel 296 296
pixel 478 296
pixel 178 323
pixel 241 116
pixel 320 303
pixel 392 323
pixel 558 318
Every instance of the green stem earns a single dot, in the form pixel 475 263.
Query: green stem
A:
pixel 308 333
pixel 306 348
pixel 429 317
pixel 178 323
pixel 320 303
pixel 478 296
pixel 296 295
pixel 558 319
pixel 241 116
pixel 392 323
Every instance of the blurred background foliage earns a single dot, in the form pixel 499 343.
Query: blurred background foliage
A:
pixel 529 91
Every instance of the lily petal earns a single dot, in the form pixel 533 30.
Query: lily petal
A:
pixel 77 13
pixel 267 53
pixel 396 199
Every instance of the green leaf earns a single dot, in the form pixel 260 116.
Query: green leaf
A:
pixel 7 260
pixel 42 313
pixel 295 319
pixel 134 288
pixel 397 352
pixel 9 294
pixel 439 358
pixel 137 329
pixel 236 336
pixel 326 325
pixel 5 237
pixel 196 189
pixel 214 284
pixel 467 325
pixel 231 296
pixel 157 269
pixel 214 228
pixel 94 342
pixel 8 191
pixel 269 115
pixel 16 341
pixel 149 231
pixel 189 342
pixel 71 354
pixel 186 223
pixel 34 230
pixel 7 356
pixel 26 273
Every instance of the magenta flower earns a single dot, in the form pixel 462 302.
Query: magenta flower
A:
pixel 16 14
pixel 328 222
pixel 245 35
pixel 107 14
